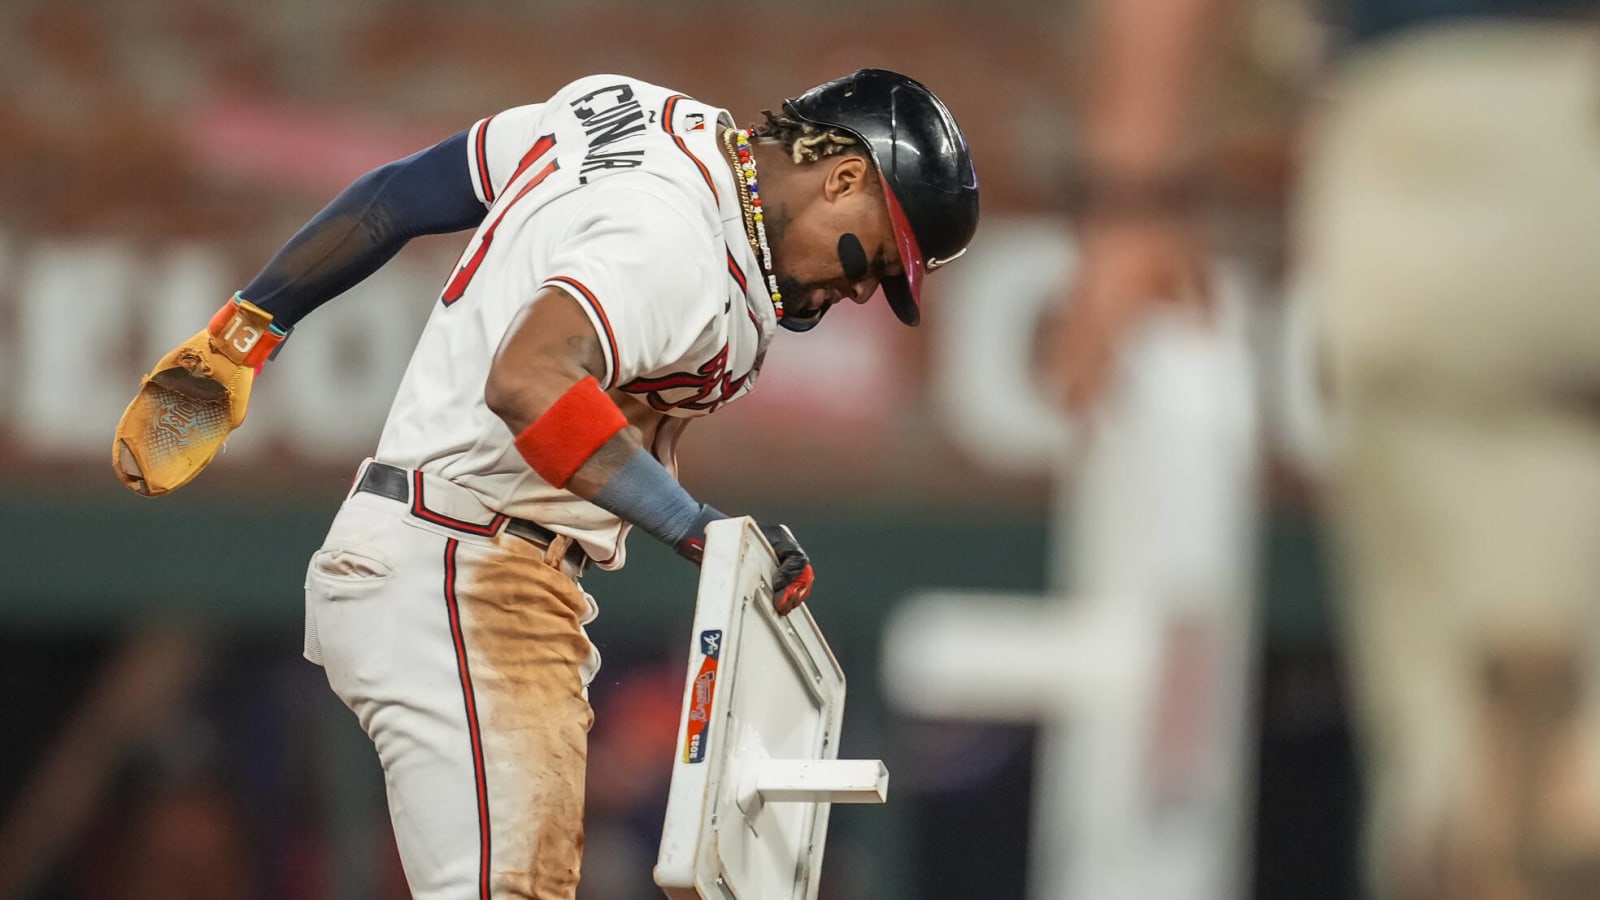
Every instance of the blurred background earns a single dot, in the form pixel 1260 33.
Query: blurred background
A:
pixel 162 736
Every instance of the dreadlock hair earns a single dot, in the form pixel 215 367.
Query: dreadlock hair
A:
pixel 803 141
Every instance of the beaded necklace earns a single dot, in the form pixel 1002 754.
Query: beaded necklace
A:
pixel 737 143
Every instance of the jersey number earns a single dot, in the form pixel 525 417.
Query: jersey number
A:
pixel 464 272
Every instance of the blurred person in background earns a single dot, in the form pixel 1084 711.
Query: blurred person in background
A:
pixel 1445 225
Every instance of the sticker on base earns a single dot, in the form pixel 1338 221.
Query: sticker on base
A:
pixel 705 690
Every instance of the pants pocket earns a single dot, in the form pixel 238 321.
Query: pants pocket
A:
pixel 349 625
pixel 350 570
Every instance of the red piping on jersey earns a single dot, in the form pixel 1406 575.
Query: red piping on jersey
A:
pixel 471 704
pixel 428 515
pixel 600 313
pixel 464 272
pixel 483 161
pixel 666 125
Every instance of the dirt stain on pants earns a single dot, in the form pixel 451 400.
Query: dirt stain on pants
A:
pixel 522 621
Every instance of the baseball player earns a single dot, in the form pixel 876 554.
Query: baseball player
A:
pixel 634 255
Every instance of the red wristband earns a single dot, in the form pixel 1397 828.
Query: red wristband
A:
pixel 558 443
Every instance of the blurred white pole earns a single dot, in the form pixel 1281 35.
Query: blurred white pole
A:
pixel 1158 528
pixel 1139 666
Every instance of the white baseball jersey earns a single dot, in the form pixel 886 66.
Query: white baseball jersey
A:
pixel 617 192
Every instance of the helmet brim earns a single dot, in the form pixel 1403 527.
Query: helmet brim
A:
pixel 904 292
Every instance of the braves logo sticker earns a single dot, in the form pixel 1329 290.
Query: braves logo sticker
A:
pixel 705 690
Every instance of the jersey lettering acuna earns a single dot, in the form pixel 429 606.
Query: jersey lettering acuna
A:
pixel 617 192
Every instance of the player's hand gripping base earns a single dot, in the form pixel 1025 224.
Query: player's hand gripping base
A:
pixel 192 400
pixel 792 583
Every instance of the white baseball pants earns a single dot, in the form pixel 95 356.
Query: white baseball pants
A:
pixel 461 650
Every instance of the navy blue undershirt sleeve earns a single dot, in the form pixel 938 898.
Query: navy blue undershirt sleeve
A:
pixel 429 192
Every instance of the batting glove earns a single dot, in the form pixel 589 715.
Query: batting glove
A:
pixel 791 585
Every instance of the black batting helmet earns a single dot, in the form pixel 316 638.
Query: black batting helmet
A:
pixel 922 158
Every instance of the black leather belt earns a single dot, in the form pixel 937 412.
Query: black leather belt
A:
pixel 395 483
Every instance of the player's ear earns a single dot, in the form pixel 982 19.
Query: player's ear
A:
pixel 848 175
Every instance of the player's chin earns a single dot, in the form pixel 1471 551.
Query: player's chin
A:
pixel 809 307
pixel 797 322
pixel 803 317
pixel 803 306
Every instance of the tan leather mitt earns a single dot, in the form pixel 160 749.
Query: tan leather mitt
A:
pixel 192 400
